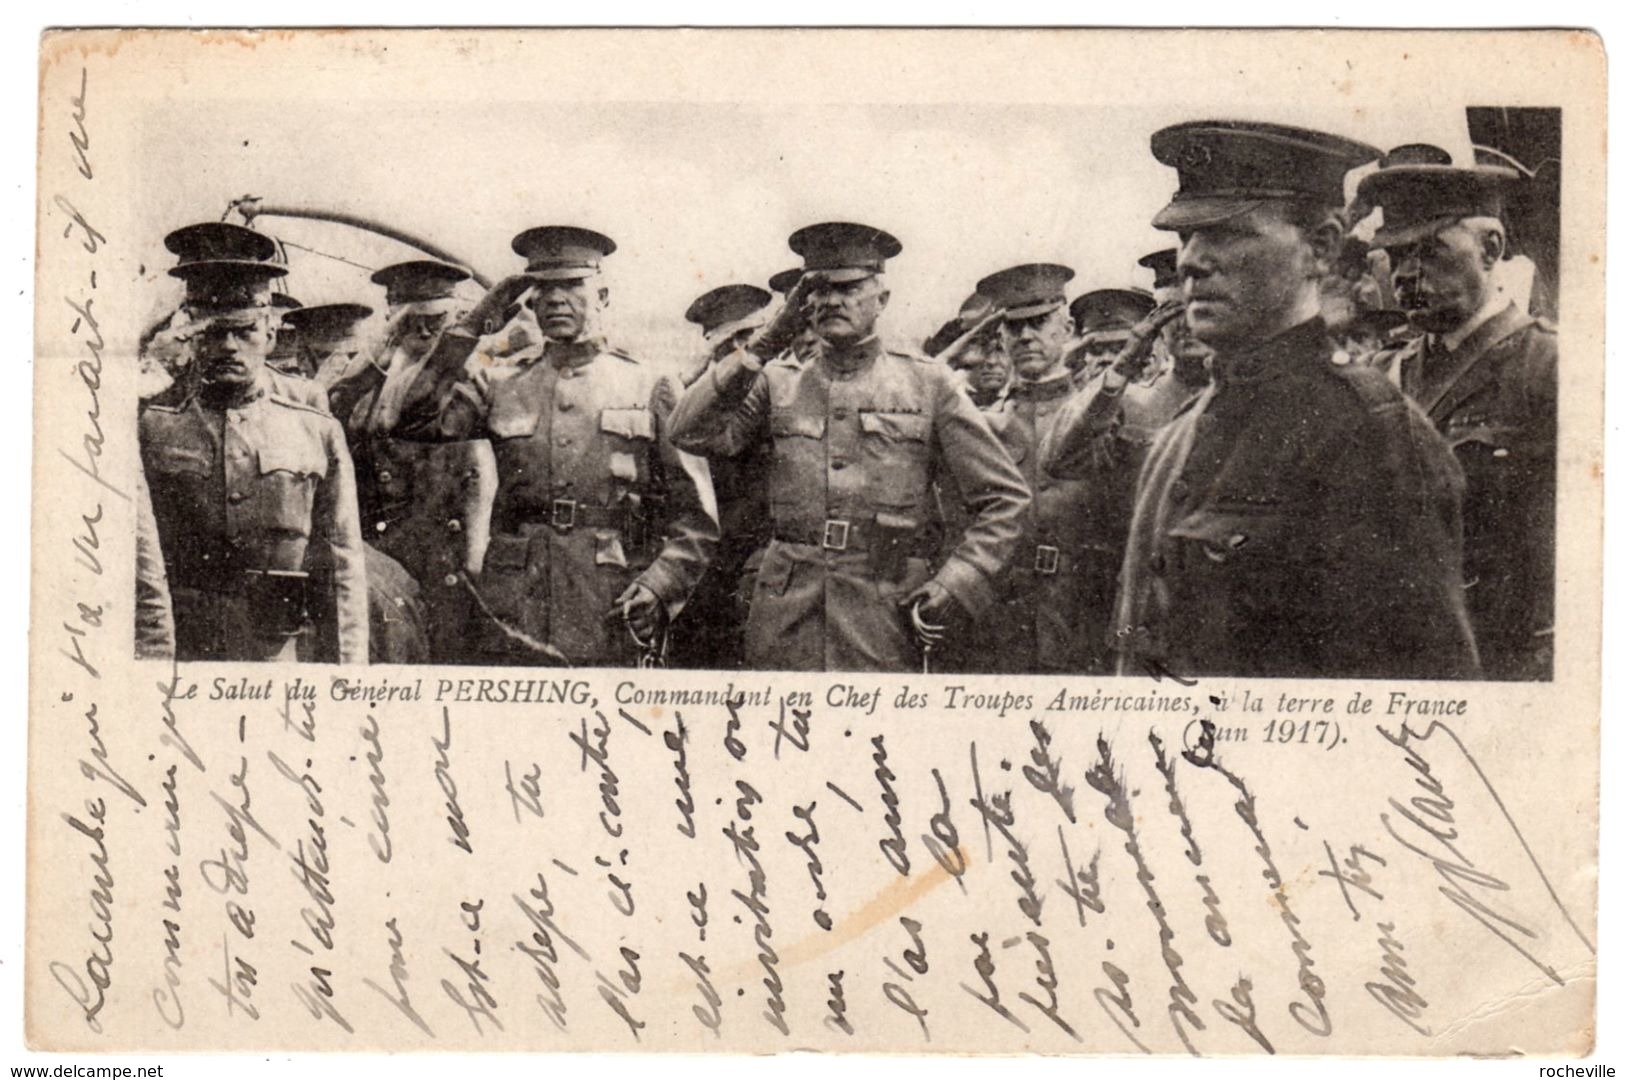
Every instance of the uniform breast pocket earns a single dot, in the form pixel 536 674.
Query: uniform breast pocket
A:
pixel 512 414
pixel 798 459
pixel 631 435
pixel 286 490
pixel 896 452
pixel 179 461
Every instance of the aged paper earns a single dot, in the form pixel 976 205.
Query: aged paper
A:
pixel 235 855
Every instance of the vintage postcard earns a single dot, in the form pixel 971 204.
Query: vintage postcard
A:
pixel 996 541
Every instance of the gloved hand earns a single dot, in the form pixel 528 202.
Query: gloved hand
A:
pixel 1136 352
pixel 642 612
pixel 783 328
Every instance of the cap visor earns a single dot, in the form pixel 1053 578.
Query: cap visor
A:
pixel 842 274
pixel 562 273
pixel 239 268
pixel 734 326
pixel 1182 215
pixel 1030 311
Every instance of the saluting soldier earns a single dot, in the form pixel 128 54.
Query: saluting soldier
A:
pixel 1485 373
pixel 857 434
pixel 253 494
pixel 330 339
pixel 283 366
pixel 425 506
pixel 1056 618
pixel 601 528
pixel 711 631
pixel 1299 518
pixel 284 354
pixel 806 342
pixel 328 344
pixel 1102 320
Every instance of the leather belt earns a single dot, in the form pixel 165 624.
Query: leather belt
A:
pixel 840 534
pixel 1048 560
pixel 566 514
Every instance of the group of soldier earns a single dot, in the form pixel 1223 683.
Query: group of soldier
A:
pixel 1298 455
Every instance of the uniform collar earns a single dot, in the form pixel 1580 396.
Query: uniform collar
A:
pixel 1481 325
pixel 987 399
pixel 213 396
pixel 1057 383
pixel 573 354
pixel 858 355
pixel 1451 342
pixel 1288 349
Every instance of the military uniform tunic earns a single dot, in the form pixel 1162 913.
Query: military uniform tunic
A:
pixel 711 633
pixel 1298 519
pixel 856 441
pixel 1099 440
pixel 1054 602
pixel 425 506
pixel 256 517
pixel 591 496
pixel 1494 399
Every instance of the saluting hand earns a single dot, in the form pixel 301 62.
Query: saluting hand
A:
pixel 992 318
pixel 491 313
pixel 1136 352
pixel 782 330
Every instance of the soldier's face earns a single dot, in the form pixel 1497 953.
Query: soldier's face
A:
pixel 1247 278
pixel 1099 348
pixel 1035 344
pixel 420 330
pixel 986 369
pixel 1442 280
pixel 232 351
pixel 565 309
pixel 845 311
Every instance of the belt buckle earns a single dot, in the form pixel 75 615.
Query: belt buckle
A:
pixel 1047 560
pixel 836 535
pixel 563 514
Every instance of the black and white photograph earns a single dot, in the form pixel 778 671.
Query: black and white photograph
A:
pixel 1261 395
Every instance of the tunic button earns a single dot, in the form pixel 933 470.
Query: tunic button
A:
pixel 840 414
pixel 564 440
pixel 385 477
pixel 451 579
pixel 382 525
pixel 236 497
pixel 566 406
pixel 837 465
pixel 454 525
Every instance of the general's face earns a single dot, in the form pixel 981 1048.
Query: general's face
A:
pixel 1243 277
pixel 1035 344
pixel 232 349
pixel 842 312
pixel 1442 280
pixel 564 309
pixel 986 369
